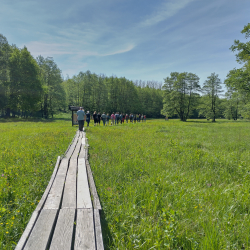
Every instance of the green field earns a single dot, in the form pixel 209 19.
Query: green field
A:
pixel 28 153
pixel 162 184
pixel 173 185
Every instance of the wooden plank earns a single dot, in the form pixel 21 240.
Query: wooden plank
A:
pixel 87 149
pixel 96 201
pixel 70 144
pixel 77 149
pixel 40 236
pixel 72 147
pixel 55 195
pixel 82 153
pixel 45 194
pixel 83 194
pixel 98 230
pixel 27 231
pixel 85 236
pixel 69 195
pixel 63 234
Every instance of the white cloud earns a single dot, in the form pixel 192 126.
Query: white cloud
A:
pixel 51 49
pixel 168 9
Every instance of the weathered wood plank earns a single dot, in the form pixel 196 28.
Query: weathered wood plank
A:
pixel 85 236
pixel 62 237
pixel 45 194
pixel 96 201
pixel 27 231
pixel 87 149
pixel 98 230
pixel 72 147
pixel 55 195
pixel 70 144
pixel 83 194
pixel 41 233
pixel 69 195
pixel 77 148
pixel 82 153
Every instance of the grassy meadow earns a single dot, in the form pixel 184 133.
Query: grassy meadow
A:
pixel 162 184
pixel 28 153
pixel 173 185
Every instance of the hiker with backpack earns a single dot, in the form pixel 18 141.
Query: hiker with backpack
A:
pixel 104 117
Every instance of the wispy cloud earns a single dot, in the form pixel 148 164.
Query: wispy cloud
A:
pixel 166 10
pixel 51 49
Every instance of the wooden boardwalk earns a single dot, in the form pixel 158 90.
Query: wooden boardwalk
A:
pixel 68 214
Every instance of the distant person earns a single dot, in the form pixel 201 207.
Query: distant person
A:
pixel 80 118
pixel 104 117
pixel 112 118
pixel 95 118
pixel 121 118
pixel 166 118
pixel 142 118
pixel 88 118
pixel 126 117
pixel 117 117
pixel 107 120
pixel 130 117
pixel 134 118
pixel 139 117
pixel 99 118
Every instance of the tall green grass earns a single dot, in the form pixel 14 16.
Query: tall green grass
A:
pixel 173 185
pixel 28 153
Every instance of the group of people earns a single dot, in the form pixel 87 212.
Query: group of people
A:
pixel 114 118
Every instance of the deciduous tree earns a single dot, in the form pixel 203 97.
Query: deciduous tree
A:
pixel 181 93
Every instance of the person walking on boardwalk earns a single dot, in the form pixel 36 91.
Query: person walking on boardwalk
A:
pixel 104 117
pixel 88 118
pixel 80 118
pixel 95 118
pixel 99 118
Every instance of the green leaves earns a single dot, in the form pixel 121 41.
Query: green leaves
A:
pixel 180 94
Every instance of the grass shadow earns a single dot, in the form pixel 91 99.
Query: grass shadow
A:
pixel 14 120
pixel 107 238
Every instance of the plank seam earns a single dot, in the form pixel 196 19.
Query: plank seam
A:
pixel 52 230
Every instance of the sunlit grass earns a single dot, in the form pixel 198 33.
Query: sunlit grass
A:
pixel 162 184
pixel 28 153
pixel 173 185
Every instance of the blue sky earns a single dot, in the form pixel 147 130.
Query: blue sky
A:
pixel 139 39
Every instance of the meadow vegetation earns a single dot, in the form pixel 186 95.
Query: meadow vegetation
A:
pixel 173 185
pixel 162 184
pixel 28 153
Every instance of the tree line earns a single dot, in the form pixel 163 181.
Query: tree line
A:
pixel 185 97
pixel 35 87
pixel 112 94
pixel 28 86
